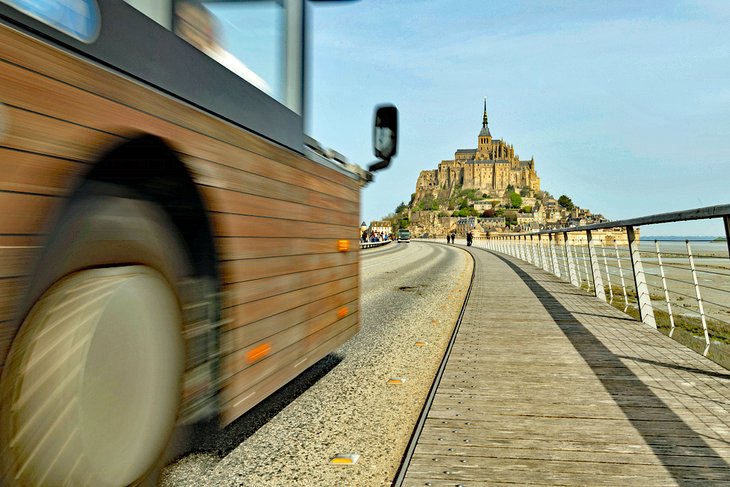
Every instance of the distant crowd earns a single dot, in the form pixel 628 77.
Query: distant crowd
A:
pixel 369 236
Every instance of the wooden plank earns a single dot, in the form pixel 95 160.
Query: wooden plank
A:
pixel 230 225
pixel 39 134
pixel 33 173
pixel 245 292
pixel 240 337
pixel 263 308
pixel 238 361
pixel 311 352
pixel 11 290
pixel 250 269
pixel 235 248
pixel 233 202
pixel 25 214
pixel 15 261
pixel 217 175
pixel 7 333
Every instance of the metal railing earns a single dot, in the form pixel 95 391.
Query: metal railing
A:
pixel 368 245
pixel 682 287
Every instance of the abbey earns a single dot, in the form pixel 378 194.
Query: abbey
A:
pixel 490 168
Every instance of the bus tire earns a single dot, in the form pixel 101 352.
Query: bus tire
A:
pixel 91 389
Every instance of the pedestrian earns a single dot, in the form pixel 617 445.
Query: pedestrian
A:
pixel 448 238
pixel 469 238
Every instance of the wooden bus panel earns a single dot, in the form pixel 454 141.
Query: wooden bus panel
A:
pixel 236 248
pixel 243 314
pixel 247 399
pixel 247 291
pixel 276 216
pixel 243 336
pixel 281 343
pixel 261 268
pixel 34 173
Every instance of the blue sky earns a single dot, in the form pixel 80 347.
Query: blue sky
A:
pixel 624 105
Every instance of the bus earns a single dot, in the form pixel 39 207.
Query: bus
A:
pixel 173 247
pixel 404 235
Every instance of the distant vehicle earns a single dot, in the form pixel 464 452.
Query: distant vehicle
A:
pixel 404 236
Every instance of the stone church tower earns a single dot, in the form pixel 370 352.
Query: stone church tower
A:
pixel 490 168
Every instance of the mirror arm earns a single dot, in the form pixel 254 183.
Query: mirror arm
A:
pixel 378 165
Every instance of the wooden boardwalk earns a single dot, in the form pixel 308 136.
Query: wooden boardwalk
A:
pixel 547 385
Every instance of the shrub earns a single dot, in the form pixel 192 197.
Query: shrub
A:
pixel 566 202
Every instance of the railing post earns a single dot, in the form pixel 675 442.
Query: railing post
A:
pixel 595 268
pixel 608 274
pixel 541 247
pixel 642 290
pixel 666 290
pixel 574 256
pixel 519 248
pixel 526 250
pixel 554 255
pixel 535 259
pixel 699 298
pixel 621 274
pixel 569 264
pixel 726 220
pixel 585 265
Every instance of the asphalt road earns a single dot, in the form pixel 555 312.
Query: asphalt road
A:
pixel 344 404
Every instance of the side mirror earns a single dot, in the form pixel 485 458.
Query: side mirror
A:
pixel 385 136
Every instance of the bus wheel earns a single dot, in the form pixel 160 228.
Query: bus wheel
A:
pixel 91 388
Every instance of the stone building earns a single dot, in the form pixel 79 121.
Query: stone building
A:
pixel 490 168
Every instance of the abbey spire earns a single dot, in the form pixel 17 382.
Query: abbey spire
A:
pixel 485 126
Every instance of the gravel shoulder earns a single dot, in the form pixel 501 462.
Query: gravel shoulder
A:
pixel 410 293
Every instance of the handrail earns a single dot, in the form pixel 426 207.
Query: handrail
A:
pixel 703 213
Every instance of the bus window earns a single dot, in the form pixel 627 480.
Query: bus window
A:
pixel 256 39
pixel 247 37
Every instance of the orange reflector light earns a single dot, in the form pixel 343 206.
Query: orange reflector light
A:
pixel 396 380
pixel 342 312
pixel 345 459
pixel 258 352
pixel 343 245
pixel 421 344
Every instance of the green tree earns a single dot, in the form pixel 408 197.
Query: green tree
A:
pixel 515 200
pixel 566 202
pixel 435 206
pixel 510 217
pixel 488 213
pixel 401 207
pixel 526 209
